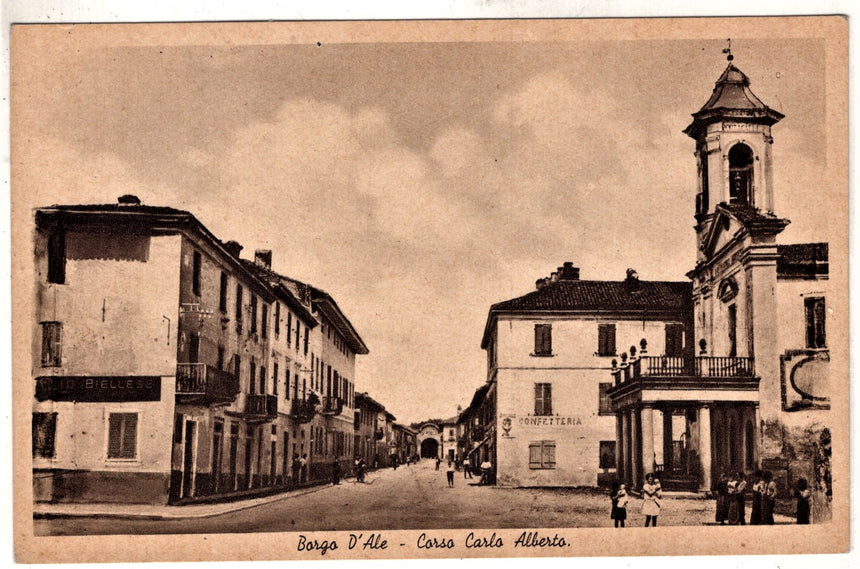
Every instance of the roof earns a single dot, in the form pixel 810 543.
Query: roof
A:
pixel 802 260
pixel 369 401
pixel 750 218
pixel 732 97
pixel 324 302
pixel 477 399
pixel 630 295
pixel 276 281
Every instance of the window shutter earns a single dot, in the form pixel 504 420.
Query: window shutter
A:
pixel 547 399
pixel 548 454
pixel 129 439
pixel 610 331
pixel 534 455
pixel 605 405
pixel 538 399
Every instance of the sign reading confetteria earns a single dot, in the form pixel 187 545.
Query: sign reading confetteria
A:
pixel 549 421
pixel 98 388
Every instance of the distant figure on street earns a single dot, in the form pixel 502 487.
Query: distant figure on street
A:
pixel 438 462
pixel 486 468
pixel 296 466
pixel 804 499
pixel 359 469
pixel 450 474
pixel 757 491
pixel 722 491
pixel 457 463
pixel 768 498
pixel 335 473
pixel 303 472
pixel 737 509
pixel 394 461
pixel 467 468
pixel 651 496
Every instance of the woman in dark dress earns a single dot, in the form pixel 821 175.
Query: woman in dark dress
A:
pixel 757 490
pixel 722 490
pixel 740 499
pixel 768 498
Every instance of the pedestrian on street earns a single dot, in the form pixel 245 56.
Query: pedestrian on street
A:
pixel 450 473
pixel 651 496
pixel 438 462
pixel 620 499
pixel 804 499
pixel 303 473
pixel 335 473
pixel 768 499
pixel 359 469
pixel 486 468
pixel 757 491
pixel 722 491
pixel 467 468
pixel 737 510
pixel 296 466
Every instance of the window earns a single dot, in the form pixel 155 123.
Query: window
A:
pixel 44 434
pixel 542 455
pixel 275 379
pixel 237 366
pixel 607 454
pixel 815 313
pixel 606 339
pixel 57 257
pixel 252 377
pixel 220 363
pixel 674 340
pixel 265 323
pixel 287 383
pixel 307 338
pixel 262 380
pixel 605 404
pixel 194 348
pixel 222 295
pixel 298 333
pixel 52 344
pixel 239 307
pixel 195 273
pixel 277 318
pixel 289 327
pixel 122 436
pixel 543 339
pixel 740 174
pixel 732 318
pixel 543 399
pixel 253 329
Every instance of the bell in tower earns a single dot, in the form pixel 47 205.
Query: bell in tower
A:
pixel 733 148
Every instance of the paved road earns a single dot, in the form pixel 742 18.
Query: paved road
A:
pixel 412 497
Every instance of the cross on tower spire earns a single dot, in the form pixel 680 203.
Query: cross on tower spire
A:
pixel 728 50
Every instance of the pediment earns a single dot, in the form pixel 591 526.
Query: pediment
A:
pixel 723 229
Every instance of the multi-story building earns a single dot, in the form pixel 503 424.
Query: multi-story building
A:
pixel 477 426
pixel 404 441
pixel 548 357
pixel 369 431
pixel 756 394
pixel 149 329
pixel 449 437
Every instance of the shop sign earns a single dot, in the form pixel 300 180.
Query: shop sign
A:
pixel 549 421
pixel 98 388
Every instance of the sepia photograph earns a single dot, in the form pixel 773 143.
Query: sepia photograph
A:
pixel 405 289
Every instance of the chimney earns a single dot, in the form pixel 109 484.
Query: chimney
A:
pixel 233 248
pixel 632 280
pixel 540 283
pixel 568 272
pixel 128 200
pixel 263 257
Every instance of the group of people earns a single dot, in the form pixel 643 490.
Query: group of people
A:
pixel 731 499
pixel 652 496
pixel 454 465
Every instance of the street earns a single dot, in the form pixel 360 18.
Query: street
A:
pixel 411 497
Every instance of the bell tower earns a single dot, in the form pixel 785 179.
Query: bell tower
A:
pixel 733 149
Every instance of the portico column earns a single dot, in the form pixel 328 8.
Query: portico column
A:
pixel 626 464
pixel 635 447
pixel 647 414
pixel 619 446
pixel 705 447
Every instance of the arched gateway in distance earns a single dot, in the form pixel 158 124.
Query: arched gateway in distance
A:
pixel 428 440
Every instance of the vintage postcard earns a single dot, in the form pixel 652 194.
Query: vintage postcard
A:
pixel 356 290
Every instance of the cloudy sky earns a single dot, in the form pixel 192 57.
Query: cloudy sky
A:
pixel 418 183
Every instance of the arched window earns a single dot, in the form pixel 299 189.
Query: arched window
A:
pixel 740 174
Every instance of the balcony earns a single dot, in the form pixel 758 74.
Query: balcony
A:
pixel 332 406
pixel 477 433
pixel 380 434
pixel 205 384
pixel 652 377
pixel 260 407
pixel 303 410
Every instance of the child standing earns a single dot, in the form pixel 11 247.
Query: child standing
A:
pixel 450 473
pixel 619 506
pixel 803 496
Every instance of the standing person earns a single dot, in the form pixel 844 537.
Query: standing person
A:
pixel 303 471
pixel 732 494
pixel 651 496
pixel 722 491
pixel 450 473
pixel 438 462
pixel 359 469
pixel 757 490
pixel 467 468
pixel 740 499
pixel 296 466
pixel 620 499
pixel 486 468
pixel 804 497
pixel 335 473
pixel 768 500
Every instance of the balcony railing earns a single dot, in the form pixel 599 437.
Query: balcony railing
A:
pixel 260 406
pixel 205 383
pixel 380 434
pixel 303 410
pixel 332 406
pixel 704 367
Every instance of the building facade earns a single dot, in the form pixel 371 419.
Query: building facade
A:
pixel 166 368
pixel 549 354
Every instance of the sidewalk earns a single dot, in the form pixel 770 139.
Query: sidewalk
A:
pixel 162 512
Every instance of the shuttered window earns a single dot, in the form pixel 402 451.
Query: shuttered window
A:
pixel 44 434
pixel 195 273
pixel 222 293
pixel 543 399
pixel 674 340
pixel 543 340
pixel 606 339
pixel 542 455
pixel 605 404
pixel 815 315
pixel 122 436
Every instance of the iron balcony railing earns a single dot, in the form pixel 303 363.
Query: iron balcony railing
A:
pixel 206 382
pixel 332 405
pixel 303 410
pixel 261 405
pixel 711 367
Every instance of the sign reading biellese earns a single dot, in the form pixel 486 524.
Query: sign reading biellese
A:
pixel 98 388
